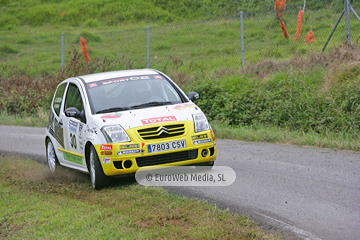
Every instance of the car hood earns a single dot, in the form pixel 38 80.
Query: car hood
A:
pixel 148 116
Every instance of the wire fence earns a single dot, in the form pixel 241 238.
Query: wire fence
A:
pixel 203 46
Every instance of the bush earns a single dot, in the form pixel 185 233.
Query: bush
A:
pixel 25 94
pixel 301 96
pixel 289 99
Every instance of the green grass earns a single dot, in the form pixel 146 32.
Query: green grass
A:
pixel 40 119
pixel 208 45
pixel 340 141
pixel 37 205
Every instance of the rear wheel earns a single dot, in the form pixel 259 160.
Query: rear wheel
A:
pixel 98 179
pixel 51 158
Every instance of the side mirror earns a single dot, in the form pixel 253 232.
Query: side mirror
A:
pixel 75 113
pixel 193 96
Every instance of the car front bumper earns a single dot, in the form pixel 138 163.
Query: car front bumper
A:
pixel 125 158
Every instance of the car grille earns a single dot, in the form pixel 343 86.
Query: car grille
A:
pixel 167 158
pixel 159 132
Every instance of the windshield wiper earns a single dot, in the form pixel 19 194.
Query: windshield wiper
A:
pixel 114 109
pixel 150 104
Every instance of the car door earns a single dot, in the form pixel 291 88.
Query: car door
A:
pixel 55 125
pixel 74 128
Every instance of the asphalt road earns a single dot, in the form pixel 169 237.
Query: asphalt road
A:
pixel 306 193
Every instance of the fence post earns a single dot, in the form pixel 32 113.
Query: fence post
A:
pixel 62 51
pixel 147 47
pixel 242 39
pixel 348 34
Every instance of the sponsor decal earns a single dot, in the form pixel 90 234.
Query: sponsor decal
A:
pixel 184 106
pixel 81 126
pixel 56 106
pixel 128 152
pixel 201 136
pixel 72 158
pixel 129 146
pixel 158 120
pixel 91 130
pixel 58 100
pixel 81 140
pixel 123 79
pixel 73 126
pixel 106 153
pixel 106 147
pixel 115 80
pixel 201 141
pixel 106 160
pixel 112 115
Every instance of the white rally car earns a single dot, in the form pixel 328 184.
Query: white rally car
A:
pixel 114 123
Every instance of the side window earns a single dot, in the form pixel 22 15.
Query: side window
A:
pixel 58 99
pixel 73 98
pixel 170 93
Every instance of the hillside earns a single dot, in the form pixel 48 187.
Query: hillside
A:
pixel 78 13
pixel 203 35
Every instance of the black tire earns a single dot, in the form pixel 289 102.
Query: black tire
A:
pixel 51 158
pixel 98 179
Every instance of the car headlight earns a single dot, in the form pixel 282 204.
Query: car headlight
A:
pixel 200 122
pixel 114 134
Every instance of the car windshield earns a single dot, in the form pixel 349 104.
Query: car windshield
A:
pixel 125 94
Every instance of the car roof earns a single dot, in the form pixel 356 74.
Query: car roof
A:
pixel 115 74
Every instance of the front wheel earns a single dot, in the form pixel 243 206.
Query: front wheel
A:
pixel 98 179
pixel 51 158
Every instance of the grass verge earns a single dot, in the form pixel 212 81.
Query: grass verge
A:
pixel 340 141
pixel 37 205
pixel 39 119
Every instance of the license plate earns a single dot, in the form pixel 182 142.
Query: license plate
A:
pixel 166 146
